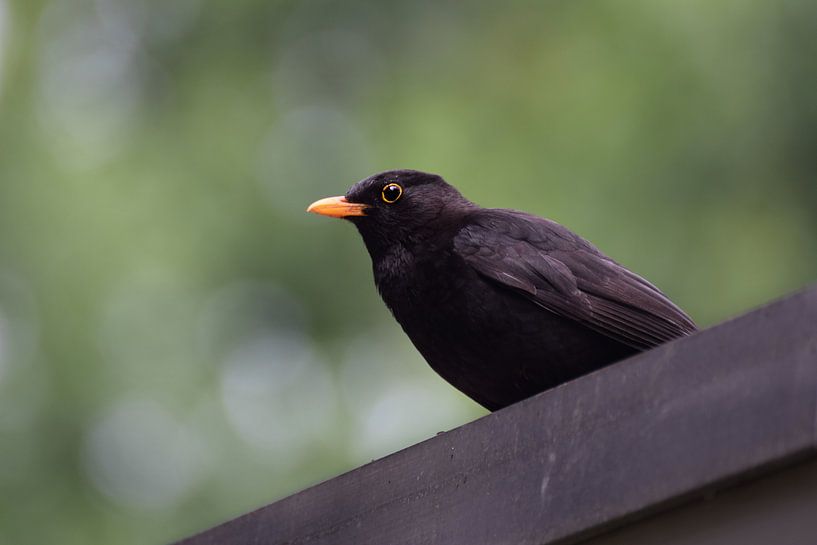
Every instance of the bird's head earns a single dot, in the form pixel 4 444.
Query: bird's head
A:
pixel 404 207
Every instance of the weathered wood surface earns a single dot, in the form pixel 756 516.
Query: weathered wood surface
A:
pixel 684 419
pixel 776 509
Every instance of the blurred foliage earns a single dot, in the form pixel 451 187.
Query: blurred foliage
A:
pixel 180 342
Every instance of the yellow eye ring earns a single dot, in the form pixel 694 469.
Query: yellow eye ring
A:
pixel 391 193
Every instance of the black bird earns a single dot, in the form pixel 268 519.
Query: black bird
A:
pixel 502 304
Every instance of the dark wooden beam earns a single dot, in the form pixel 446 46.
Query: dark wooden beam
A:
pixel 680 421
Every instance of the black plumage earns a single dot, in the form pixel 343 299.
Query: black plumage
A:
pixel 502 304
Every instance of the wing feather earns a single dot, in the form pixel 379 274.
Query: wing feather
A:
pixel 566 275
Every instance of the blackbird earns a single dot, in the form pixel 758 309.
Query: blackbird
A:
pixel 502 304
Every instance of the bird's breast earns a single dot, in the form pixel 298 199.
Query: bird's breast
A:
pixel 419 288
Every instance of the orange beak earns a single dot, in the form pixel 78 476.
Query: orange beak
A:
pixel 337 207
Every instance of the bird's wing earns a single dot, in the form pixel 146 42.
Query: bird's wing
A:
pixel 568 276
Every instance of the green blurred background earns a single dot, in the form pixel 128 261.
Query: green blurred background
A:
pixel 180 342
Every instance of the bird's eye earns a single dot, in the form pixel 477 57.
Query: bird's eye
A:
pixel 391 193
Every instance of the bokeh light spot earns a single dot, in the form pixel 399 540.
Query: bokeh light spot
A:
pixel 395 398
pixel 278 395
pixel 141 456
pixel 90 82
